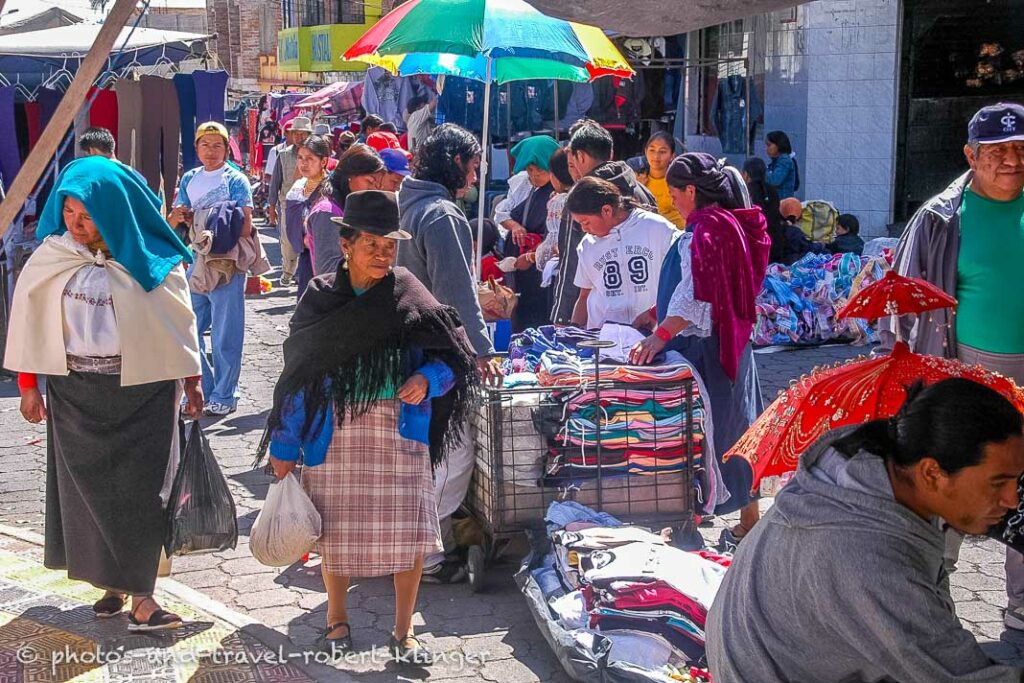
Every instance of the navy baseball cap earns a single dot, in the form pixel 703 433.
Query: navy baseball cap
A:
pixel 396 161
pixel 1003 122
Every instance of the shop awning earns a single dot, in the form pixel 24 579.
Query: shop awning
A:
pixel 30 59
pixel 75 40
pixel 657 17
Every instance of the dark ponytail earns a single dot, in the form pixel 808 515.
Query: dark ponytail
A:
pixel 950 421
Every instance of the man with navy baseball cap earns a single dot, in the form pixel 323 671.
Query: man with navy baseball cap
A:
pixel 969 242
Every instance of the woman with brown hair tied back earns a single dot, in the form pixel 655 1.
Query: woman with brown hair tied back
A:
pixel 375 390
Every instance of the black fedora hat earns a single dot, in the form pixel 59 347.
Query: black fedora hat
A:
pixel 375 212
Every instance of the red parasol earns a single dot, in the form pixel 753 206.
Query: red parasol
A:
pixel 895 294
pixel 852 393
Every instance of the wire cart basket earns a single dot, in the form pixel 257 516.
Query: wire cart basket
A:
pixel 594 444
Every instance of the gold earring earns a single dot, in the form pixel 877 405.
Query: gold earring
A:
pixel 344 262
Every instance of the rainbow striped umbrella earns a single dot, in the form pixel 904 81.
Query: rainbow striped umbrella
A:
pixel 460 37
pixel 490 41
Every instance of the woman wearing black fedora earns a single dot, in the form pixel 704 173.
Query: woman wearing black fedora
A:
pixel 375 389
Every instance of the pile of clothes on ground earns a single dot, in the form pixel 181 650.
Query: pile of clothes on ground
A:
pixel 798 303
pixel 618 600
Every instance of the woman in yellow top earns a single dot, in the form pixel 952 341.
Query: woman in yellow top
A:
pixel 660 150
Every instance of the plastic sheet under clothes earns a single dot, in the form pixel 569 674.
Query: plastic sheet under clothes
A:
pixel 584 655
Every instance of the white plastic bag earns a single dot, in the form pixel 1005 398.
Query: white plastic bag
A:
pixel 287 526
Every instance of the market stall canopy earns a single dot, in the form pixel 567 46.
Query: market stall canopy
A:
pixel 657 17
pixel 30 59
pixel 76 40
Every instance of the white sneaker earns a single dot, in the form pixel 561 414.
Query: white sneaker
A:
pixel 215 409
pixel 286 281
pixel 1014 618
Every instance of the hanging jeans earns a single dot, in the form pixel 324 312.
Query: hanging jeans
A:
pixel 10 160
pixel 158 146
pixel 222 313
pixel 186 88
pixel 210 89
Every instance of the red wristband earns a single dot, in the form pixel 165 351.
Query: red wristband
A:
pixel 26 381
pixel 663 334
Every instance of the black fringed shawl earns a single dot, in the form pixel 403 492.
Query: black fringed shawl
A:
pixel 357 343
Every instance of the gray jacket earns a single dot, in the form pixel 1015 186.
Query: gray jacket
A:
pixel 841 583
pixel 440 253
pixel 283 176
pixel 930 249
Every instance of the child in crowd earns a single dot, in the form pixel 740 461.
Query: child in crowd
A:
pixel 847 239
pixel 491 252
pixel 795 244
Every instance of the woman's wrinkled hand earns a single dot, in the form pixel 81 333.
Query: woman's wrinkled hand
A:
pixel 644 352
pixel 414 391
pixel 282 468
pixel 491 373
pixel 519 234
pixel 33 408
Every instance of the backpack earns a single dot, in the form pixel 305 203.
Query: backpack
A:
pixel 819 220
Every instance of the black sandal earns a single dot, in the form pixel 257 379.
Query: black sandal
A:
pixel 417 655
pixel 109 606
pixel 335 646
pixel 159 620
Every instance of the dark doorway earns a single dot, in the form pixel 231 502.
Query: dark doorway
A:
pixel 956 58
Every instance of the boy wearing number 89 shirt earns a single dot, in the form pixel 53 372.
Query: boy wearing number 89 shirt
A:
pixel 619 258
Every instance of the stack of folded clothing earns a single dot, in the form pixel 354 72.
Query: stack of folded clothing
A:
pixel 563 368
pixel 625 584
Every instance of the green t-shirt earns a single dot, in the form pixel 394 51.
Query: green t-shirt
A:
pixel 390 392
pixel 991 312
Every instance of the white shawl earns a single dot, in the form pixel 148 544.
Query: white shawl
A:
pixel 157 329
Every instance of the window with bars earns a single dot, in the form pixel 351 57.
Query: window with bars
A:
pixel 351 11
pixel 312 13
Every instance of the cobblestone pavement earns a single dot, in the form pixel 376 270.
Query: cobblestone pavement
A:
pixel 487 636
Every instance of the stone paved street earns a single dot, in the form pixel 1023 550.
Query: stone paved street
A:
pixel 488 636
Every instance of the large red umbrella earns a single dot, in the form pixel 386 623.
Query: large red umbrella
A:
pixel 852 393
pixel 895 294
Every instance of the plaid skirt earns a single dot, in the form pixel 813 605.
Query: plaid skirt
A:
pixel 375 493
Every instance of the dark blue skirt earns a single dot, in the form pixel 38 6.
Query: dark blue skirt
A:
pixel 734 407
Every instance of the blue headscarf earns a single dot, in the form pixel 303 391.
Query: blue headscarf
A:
pixel 536 150
pixel 126 213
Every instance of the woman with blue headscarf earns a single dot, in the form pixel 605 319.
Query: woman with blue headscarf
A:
pixel 527 226
pixel 102 309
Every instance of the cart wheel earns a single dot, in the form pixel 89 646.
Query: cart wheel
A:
pixel 475 565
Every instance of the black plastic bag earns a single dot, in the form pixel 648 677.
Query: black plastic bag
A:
pixel 201 511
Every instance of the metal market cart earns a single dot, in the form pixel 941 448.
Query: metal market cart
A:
pixel 518 461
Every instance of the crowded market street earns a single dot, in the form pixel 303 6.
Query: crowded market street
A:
pixel 488 636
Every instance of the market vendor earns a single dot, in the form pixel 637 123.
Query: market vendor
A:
pixel 619 258
pixel 709 285
pixel 843 580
